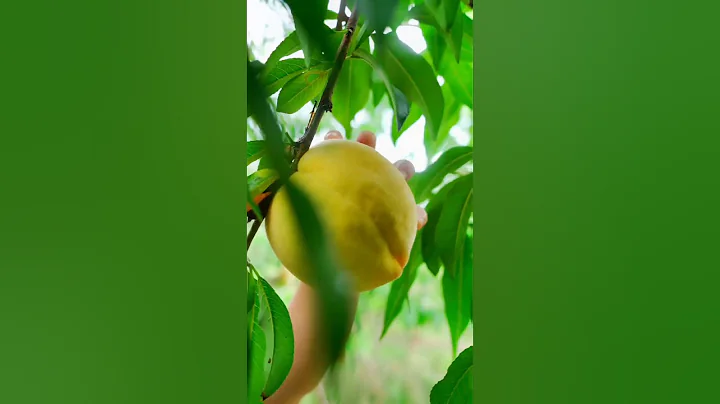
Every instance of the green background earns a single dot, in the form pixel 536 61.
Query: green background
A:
pixel 122 186
pixel 121 237
pixel 595 218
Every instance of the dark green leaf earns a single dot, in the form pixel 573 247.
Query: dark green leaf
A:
pixel 282 339
pixel 413 116
pixel 378 13
pixel 260 180
pixel 457 293
pixel 255 150
pixel 301 90
pixel 457 385
pixel 400 287
pixel 451 232
pixel 412 75
pixel 445 12
pixel 398 99
pixel 284 71
pixel 351 92
pixel 309 18
pixel 455 34
pixel 423 14
pixel 288 46
pixel 256 355
pixel 423 183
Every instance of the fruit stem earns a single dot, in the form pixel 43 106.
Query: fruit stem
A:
pixel 325 104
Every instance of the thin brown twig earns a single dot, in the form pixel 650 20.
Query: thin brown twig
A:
pixel 325 104
pixel 342 17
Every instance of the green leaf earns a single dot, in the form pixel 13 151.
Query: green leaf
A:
pixel 445 12
pixel 309 18
pixel 288 46
pixel 280 337
pixel 254 206
pixel 255 150
pixel 251 289
pixel 457 385
pixel 412 75
pixel 457 293
pixel 401 287
pixel 260 180
pixel 378 92
pixel 301 90
pixel 398 99
pixel 413 116
pixel 284 71
pixel 379 13
pixel 433 209
pixel 256 355
pixel 451 116
pixel 423 183
pixel 436 44
pixel 455 34
pixel 352 91
pixel 451 232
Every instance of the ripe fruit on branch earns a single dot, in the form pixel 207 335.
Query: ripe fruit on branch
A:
pixel 365 206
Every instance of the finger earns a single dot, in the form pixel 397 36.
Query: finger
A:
pixel 367 138
pixel 333 134
pixel 422 217
pixel 406 168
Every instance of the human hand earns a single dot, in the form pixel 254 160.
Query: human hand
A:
pixel 406 168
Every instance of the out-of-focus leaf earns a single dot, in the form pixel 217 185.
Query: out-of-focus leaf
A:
pixel 436 44
pixel 284 71
pixel 280 336
pixel 330 282
pixel 351 92
pixel 455 34
pixel 423 183
pixel 451 116
pixel 301 90
pixel 260 180
pixel 256 355
pixel 457 293
pixel 412 75
pixel 378 92
pixel 379 14
pixel 255 150
pixel 445 12
pixel 459 77
pixel 398 99
pixel 451 232
pixel 400 287
pixel 457 385
pixel 288 46
pixel 251 289
pixel 254 206
pixel 331 15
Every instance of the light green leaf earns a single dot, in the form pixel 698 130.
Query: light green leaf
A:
pixel 301 90
pixel 457 293
pixel 412 75
pixel 434 209
pixel 260 180
pixel 309 18
pixel 436 44
pixel 398 99
pixel 352 91
pixel 251 289
pixel 255 150
pixel 400 287
pixel 378 92
pixel 457 385
pixel 284 71
pixel 451 232
pixel 424 182
pixel 455 34
pixel 288 46
pixel 445 12
pixel 280 338
pixel 256 355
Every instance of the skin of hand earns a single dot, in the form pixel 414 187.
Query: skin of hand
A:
pixel 309 364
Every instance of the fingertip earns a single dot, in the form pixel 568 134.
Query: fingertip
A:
pixel 422 217
pixel 367 138
pixel 406 168
pixel 333 135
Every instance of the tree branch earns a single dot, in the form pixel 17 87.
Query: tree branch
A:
pixel 253 231
pixel 325 104
pixel 342 17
